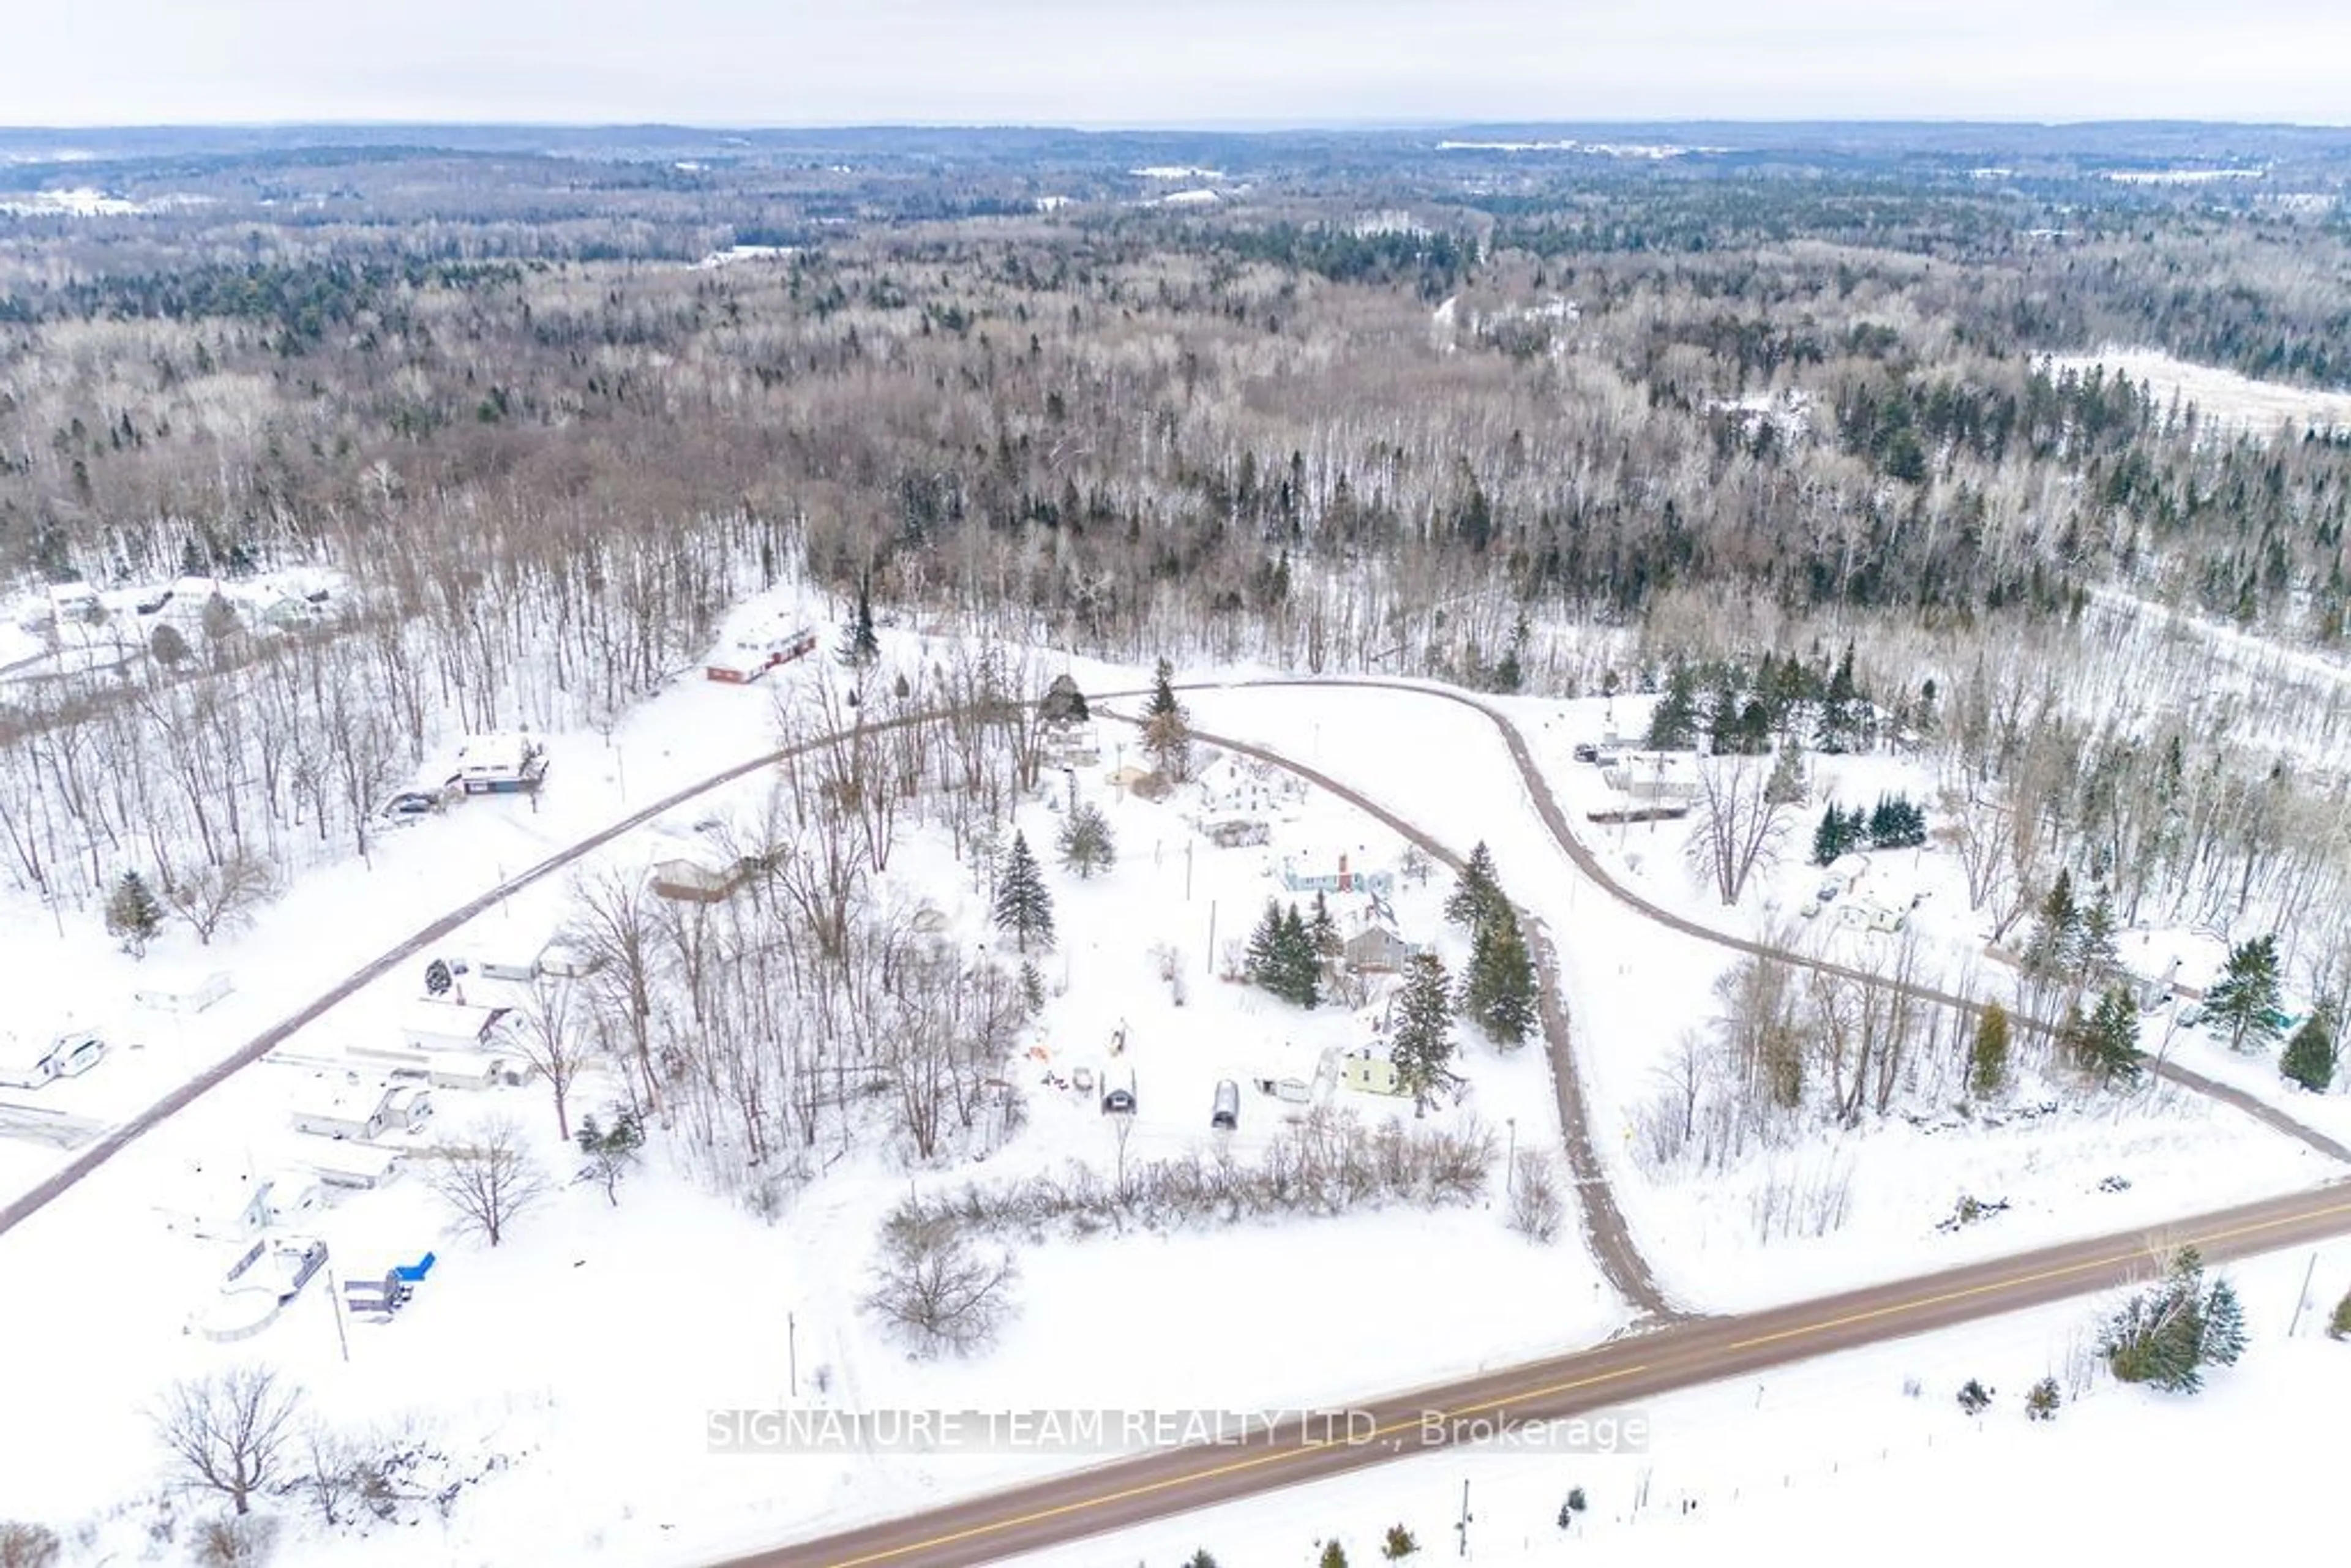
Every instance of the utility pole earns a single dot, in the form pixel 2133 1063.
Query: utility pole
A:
pixel 1462 1528
pixel 335 1297
pixel 2303 1299
pixel 1212 936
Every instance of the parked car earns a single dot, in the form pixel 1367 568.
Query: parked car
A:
pixel 1587 752
pixel 1228 1112
pixel 410 806
pixel 1118 1099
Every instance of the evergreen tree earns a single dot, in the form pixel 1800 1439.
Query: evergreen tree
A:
pixel 1837 833
pixel 2105 1044
pixel 1282 957
pixel 2042 1401
pixel 2339 1325
pixel 1023 904
pixel 611 1150
pixel 2243 1003
pixel 1673 723
pixel 1477 894
pixel 2167 1335
pixel 1086 845
pixel 1261 963
pixel 133 914
pixel 1333 1556
pixel 2055 930
pixel 1839 718
pixel 1988 1058
pixel 1301 965
pixel 1203 1558
pixel 2094 955
pixel 2310 1055
pixel 859 645
pixel 1324 931
pixel 1032 989
pixel 1785 786
pixel 1162 703
pixel 1398 1544
pixel 1974 1397
pixel 1498 990
pixel 1166 728
pixel 1423 1046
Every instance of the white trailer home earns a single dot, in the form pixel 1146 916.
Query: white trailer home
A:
pixel 465 1070
pixel 30 1064
pixel 183 993
pixel 362 1112
pixel 431 1025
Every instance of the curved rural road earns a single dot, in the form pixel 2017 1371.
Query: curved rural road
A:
pixel 1546 805
pixel 1169 1481
pixel 1605 1232
pixel 119 1137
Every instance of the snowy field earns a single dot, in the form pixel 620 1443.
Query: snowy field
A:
pixel 1837 1461
pixel 2223 397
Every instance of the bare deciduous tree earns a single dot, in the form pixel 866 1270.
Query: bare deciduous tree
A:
pixel 1740 825
pixel 210 896
pixel 229 1433
pixel 487 1179
pixel 937 1290
pixel 552 1042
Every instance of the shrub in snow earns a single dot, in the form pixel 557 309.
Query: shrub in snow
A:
pixel 238 1541
pixel 1571 1507
pixel 1974 1397
pixel 2042 1401
pixel 2339 1325
pixel 1200 1559
pixel 1333 1556
pixel 1536 1208
pixel 26 1545
pixel 1399 1544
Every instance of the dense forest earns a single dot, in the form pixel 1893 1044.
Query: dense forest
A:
pixel 1567 428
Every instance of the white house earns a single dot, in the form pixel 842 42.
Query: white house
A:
pixel 222 1204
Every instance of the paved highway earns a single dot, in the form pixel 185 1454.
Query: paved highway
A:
pixel 1622 1371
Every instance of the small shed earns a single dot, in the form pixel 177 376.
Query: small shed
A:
pixel 182 993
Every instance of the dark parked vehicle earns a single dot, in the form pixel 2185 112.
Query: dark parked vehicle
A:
pixel 1587 752
pixel 1118 1100
pixel 411 805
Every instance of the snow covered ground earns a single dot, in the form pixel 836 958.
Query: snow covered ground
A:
pixel 580 1359
pixel 1840 1461
pixel 509 1355
pixel 2223 397
pixel 1733 1238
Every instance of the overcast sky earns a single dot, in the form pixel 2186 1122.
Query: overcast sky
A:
pixel 1159 62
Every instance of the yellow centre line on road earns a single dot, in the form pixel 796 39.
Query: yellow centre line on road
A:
pixel 2012 1281
pixel 1820 1326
